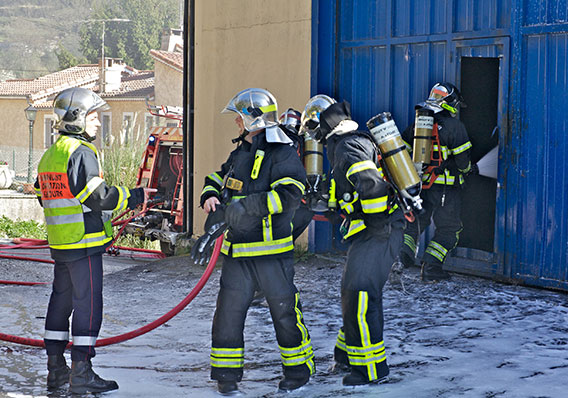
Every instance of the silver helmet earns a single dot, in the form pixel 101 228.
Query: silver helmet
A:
pixel 311 116
pixel 71 107
pixel 443 96
pixel 257 108
pixel 290 118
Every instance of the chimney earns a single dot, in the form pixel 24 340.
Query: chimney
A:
pixel 171 38
pixel 111 76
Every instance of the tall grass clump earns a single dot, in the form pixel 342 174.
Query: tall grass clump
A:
pixel 120 162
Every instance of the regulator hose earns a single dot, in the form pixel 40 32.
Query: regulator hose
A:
pixel 146 328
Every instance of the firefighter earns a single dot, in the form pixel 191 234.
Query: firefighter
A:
pixel 373 227
pixel 442 200
pixel 77 204
pixel 262 183
pixel 290 124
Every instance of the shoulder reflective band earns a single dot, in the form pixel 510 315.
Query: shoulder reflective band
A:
pixel 257 162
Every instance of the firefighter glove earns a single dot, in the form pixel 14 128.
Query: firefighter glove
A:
pixel 215 226
pixel 234 214
pixel 474 169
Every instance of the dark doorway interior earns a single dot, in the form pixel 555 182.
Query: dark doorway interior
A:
pixel 480 89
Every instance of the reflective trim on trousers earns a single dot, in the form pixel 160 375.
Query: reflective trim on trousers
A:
pixel 409 241
pixel 227 357
pixel 340 342
pixel 85 340
pixel 56 335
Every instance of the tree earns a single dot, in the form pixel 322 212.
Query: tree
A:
pixel 133 40
pixel 66 59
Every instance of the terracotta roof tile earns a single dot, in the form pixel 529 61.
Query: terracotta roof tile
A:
pixel 173 59
pixel 41 90
pixel 43 86
pixel 140 84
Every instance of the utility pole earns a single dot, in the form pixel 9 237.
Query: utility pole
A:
pixel 102 83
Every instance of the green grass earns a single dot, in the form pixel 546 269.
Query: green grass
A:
pixel 21 229
pixel 301 253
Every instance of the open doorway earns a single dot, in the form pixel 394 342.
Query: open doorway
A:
pixel 480 89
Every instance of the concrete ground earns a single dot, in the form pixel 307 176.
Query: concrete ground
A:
pixel 468 337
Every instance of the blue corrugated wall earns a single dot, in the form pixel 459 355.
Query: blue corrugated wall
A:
pixel 385 55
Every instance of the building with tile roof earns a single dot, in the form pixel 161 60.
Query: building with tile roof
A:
pixel 124 88
pixel 168 67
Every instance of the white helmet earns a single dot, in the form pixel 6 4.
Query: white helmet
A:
pixel 311 115
pixel 257 108
pixel 71 107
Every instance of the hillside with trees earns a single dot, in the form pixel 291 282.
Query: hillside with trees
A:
pixel 43 36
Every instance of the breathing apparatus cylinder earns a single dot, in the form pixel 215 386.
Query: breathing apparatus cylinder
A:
pixel 396 158
pixel 317 195
pixel 313 162
pixel 423 134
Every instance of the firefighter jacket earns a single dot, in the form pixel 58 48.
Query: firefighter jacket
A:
pixel 273 179
pixel 363 195
pixel 76 201
pixel 454 149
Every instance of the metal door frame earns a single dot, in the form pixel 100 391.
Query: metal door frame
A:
pixel 474 261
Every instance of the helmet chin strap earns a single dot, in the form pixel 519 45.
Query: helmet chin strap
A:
pixel 88 137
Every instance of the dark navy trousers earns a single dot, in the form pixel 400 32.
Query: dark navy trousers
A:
pixel 77 289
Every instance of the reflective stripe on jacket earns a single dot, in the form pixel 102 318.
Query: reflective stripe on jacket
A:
pixel 63 210
pixel 271 178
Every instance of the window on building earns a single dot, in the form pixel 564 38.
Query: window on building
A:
pixel 106 129
pixel 49 133
pixel 149 122
pixel 127 127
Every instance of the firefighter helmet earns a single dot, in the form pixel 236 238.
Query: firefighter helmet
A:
pixel 290 118
pixel 444 96
pixel 310 122
pixel 71 107
pixel 257 108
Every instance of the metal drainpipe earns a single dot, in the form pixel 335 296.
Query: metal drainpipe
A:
pixel 188 112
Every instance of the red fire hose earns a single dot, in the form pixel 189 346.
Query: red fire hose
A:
pixel 144 329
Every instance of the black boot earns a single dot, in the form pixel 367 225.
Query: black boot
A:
pixel 433 273
pixel 84 380
pixel 58 371
pixel 407 260
pixel 355 379
pixel 289 384
pixel 358 379
pixel 227 387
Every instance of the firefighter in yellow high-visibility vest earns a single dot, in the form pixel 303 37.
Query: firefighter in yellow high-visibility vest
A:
pixel 77 205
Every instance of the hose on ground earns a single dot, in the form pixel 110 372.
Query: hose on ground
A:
pixel 146 328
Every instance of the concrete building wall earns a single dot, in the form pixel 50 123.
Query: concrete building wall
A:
pixel 15 126
pixel 241 44
pixel 136 110
pixel 168 85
